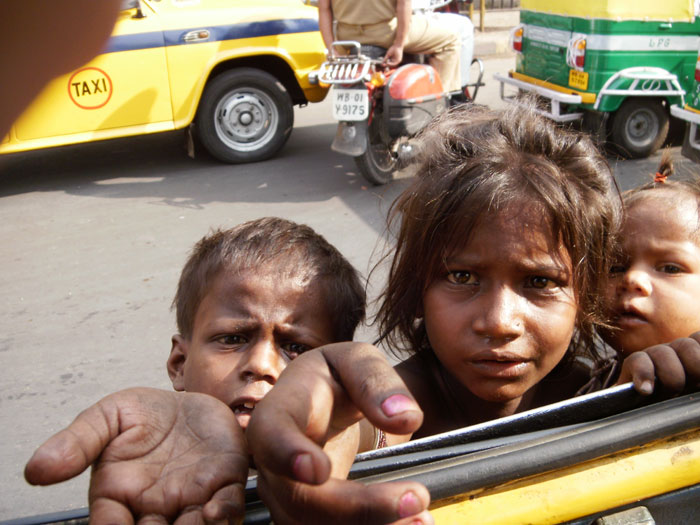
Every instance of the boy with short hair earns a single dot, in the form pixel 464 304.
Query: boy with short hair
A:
pixel 252 298
pixel 249 300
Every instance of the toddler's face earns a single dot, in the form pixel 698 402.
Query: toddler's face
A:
pixel 246 329
pixel 654 293
pixel 503 314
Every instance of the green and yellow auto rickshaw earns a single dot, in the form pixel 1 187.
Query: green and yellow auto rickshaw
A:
pixel 690 113
pixel 615 65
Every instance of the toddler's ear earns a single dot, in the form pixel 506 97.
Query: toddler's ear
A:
pixel 176 362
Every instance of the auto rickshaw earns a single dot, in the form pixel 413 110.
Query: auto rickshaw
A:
pixel 615 66
pixel 690 113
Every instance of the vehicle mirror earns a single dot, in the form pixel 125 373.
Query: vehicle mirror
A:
pixel 130 4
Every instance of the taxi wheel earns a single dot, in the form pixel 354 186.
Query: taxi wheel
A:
pixel 639 127
pixel 246 115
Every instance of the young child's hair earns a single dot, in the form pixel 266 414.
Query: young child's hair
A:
pixel 690 186
pixel 294 250
pixel 474 162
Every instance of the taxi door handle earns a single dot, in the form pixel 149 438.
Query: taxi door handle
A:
pixel 198 35
pixel 665 25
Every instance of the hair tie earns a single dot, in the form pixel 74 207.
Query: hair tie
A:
pixel 660 177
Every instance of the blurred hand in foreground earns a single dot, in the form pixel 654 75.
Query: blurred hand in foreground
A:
pixel 156 456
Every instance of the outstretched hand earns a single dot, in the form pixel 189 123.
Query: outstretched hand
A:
pixel 676 365
pixel 156 455
pixel 317 402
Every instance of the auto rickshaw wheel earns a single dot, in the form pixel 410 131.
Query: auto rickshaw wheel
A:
pixel 246 115
pixel 379 162
pixel 639 127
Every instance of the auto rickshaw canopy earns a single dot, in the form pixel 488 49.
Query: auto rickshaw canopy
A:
pixel 669 10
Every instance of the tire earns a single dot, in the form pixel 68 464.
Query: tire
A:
pixel 246 115
pixel 639 127
pixel 378 163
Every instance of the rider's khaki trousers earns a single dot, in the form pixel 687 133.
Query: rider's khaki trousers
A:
pixel 423 37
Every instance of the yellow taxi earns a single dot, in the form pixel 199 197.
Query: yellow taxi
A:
pixel 230 70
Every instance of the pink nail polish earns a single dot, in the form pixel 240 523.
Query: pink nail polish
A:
pixel 397 404
pixel 409 505
pixel 304 468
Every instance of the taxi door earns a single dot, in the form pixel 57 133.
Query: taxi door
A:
pixel 118 93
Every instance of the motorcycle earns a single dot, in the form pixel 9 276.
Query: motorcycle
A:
pixel 379 108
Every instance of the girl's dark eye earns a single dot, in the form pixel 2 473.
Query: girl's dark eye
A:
pixel 232 340
pixel 542 283
pixel 617 268
pixel 294 349
pixel 670 268
pixel 461 277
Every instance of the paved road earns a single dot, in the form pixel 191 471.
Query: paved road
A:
pixel 94 238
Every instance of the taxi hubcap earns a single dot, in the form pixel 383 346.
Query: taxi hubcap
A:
pixel 246 118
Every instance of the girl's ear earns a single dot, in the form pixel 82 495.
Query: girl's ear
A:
pixel 176 362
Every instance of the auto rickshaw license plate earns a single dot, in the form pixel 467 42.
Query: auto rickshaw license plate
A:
pixel 578 79
pixel 350 104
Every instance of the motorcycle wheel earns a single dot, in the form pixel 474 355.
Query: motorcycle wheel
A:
pixel 246 115
pixel 378 163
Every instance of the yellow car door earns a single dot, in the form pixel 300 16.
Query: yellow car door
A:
pixel 123 91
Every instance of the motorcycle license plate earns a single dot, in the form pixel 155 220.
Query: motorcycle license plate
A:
pixel 350 104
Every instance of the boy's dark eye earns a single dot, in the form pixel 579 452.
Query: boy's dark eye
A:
pixel 670 268
pixel 541 283
pixel 294 349
pixel 461 277
pixel 231 339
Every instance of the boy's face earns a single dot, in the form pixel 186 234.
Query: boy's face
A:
pixel 502 315
pixel 246 329
pixel 653 292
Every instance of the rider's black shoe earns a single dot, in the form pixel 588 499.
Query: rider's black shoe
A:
pixel 460 97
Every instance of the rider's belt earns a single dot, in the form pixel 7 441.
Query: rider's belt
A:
pixel 362 27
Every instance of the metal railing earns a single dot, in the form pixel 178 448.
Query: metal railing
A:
pixel 502 4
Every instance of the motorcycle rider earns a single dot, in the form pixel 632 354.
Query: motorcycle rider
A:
pixel 391 24
pixel 448 17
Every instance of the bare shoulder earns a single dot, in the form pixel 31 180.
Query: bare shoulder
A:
pixel 413 373
pixel 419 374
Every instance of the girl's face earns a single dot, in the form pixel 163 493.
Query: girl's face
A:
pixel 502 315
pixel 654 291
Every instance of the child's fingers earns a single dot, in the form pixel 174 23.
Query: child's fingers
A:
pixel 70 451
pixel 375 388
pixel 341 501
pixel 638 367
pixel 668 366
pixel 227 503
pixel 424 518
pixel 688 350
pixel 104 511
pixel 286 422
pixel 318 396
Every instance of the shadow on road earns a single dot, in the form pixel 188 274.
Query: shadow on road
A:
pixel 157 167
